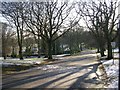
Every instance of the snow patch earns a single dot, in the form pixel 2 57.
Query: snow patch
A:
pixel 51 68
pixel 116 50
pixel 112 71
pixel 48 67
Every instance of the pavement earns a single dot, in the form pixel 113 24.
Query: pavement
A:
pixel 81 71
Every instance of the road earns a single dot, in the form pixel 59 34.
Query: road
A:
pixel 70 72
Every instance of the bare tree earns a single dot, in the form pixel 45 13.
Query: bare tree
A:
pixel 34 20
pixel 13 44
pixel 90 13
pixel 101 19
pixel 73 39
pixel 28 43
pixel 108 21
pixel 4 28
pixel 7 35
pixel 50 18
pixel 14 13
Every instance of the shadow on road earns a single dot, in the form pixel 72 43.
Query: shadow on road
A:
pixel 66 73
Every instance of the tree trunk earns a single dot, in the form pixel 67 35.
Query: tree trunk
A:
pixel 20 52
pixel 110 56
pixel 54 48
pixel 71 51
pixel 13 52
pixel 98 50
pixel 19 43
pixel 102 51
pixel 44 48
pixel 3 42
pixel 38 51
pixel 38 47
pixel 81 47
pixel 101 48
pixel 3 49
pixel 49 49
pixel 62 49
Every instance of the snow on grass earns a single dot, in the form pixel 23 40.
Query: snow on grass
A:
pixel 112 71
pixel 116 50
pixel 60 56
pixel 51 68
pixel 16 61
pixel 25 61
pixel 116 55
pixel 114 83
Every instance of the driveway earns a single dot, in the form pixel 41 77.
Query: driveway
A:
pixel 70 72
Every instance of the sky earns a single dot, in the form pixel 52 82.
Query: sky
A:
pixel 2 19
